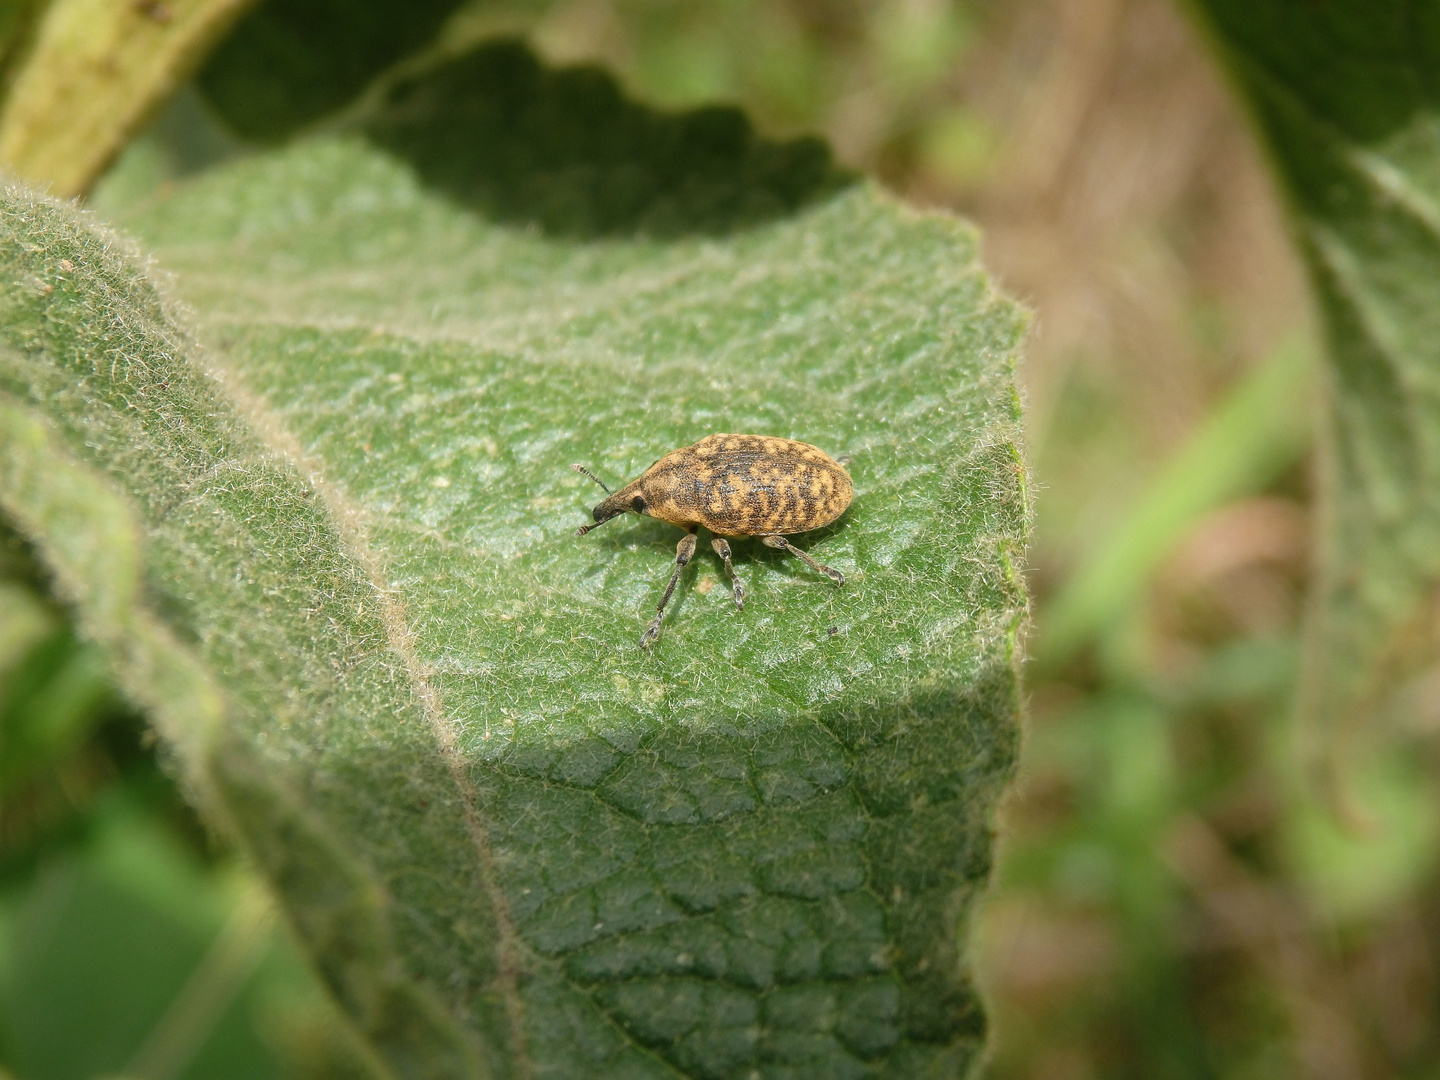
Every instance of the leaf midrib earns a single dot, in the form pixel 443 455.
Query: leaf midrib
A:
pixel 350 522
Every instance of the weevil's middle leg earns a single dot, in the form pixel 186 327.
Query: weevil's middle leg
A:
pixel 683 553
pixel 722 548
pixel 785 545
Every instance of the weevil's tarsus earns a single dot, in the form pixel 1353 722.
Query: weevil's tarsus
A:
pixel 583 471
pixel 785 545
pixel 722 548
pixel 843 460
pixel 684 551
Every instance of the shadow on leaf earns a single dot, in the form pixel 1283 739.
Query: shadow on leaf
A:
pixel 288 65
pixel 564 149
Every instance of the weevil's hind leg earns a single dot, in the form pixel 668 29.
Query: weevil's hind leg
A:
pixel 737 587
pixel 683 553
pixel 785 545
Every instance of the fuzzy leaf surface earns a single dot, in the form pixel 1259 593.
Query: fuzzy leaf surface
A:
pixel 515 843
pixel 1347 98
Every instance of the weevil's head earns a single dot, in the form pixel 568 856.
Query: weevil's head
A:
pixel 630 499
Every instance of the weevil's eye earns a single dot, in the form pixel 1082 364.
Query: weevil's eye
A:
pixel 637 504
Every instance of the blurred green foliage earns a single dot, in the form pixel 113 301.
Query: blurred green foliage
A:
pixel 287 66
pixel 1347 104
pixel 129 943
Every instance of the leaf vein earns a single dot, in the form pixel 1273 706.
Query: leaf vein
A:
pixel 349 520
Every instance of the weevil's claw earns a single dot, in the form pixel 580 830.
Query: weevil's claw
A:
pixel 651 634
pixel 739 594
pixel 835 576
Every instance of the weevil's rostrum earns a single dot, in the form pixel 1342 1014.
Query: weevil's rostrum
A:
pixel 734 485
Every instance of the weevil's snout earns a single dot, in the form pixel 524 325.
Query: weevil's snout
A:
pixel 608 509
pixel 614 506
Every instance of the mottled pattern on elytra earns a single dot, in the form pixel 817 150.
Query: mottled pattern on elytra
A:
pixel 745 485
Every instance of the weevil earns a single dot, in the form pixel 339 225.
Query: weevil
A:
pixel 733 485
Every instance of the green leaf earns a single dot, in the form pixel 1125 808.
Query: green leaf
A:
pixel 327 534
pixel 1347 99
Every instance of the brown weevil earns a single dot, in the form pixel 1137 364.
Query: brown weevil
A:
pixel 733 485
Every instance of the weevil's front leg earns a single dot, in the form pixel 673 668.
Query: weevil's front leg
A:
pixel 785 545
pixel 683 552
pixel 722 548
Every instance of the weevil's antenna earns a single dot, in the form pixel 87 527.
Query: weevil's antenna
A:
pixel 583 529
pixel 586 472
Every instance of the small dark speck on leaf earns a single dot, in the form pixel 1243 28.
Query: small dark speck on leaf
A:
pixel 833 631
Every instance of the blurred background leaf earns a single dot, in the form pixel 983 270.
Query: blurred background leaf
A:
pixel 290 65
pixel 129 943
pixel 1347 103
pixel 1250 439
pixel 521 143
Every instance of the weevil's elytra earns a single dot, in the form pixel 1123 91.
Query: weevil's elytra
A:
pixel 733 485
